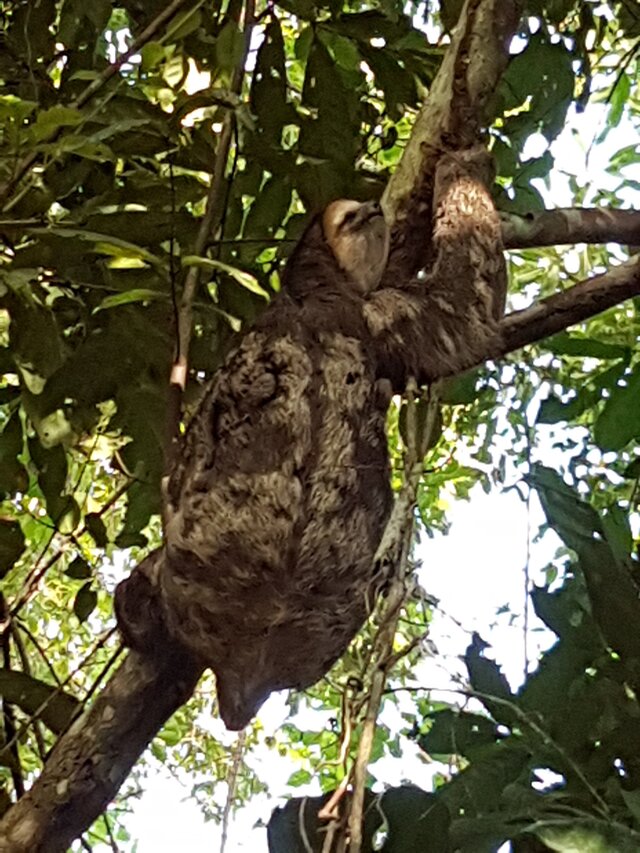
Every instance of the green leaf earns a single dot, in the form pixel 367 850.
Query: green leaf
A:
pixel 12 544
pixel 229 46
pixel 244 278
pixel 184 24
pixel 128 297
pixel 586 836
pixel 50 121
pixel 619 98
pixel 78 569
pixel 13 476
pixel 85 602
pixel 619 421
pixel 454 732
pixel 50 704
pixel 566 344
pixel 96 527
pixel 488 680
pixel 299 777
pixel 269 86
pixel 105 244
pixel 417 821
pixel 573 520
pixel 461 389
pixel 151 54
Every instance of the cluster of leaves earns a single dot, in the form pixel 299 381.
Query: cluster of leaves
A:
pixel 555 765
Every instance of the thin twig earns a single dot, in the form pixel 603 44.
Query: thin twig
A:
pixel 37 573
pixel 8 715
pixel 58 689
pixel 179 371
pixel 26 668
pixel 394 549
pixel 232 784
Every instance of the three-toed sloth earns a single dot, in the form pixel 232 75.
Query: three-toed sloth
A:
pixel 278 502
pixel 281 494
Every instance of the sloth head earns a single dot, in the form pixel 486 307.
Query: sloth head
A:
pixel 349 234
pixel 359 239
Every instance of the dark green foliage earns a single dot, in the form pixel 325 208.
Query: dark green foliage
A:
pixel 576 714
pixel 411 821
pixel 55 707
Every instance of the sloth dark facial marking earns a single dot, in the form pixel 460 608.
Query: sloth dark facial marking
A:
pixel 359 239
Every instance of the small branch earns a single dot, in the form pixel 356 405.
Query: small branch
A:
pixel 465 82
pixel 26 668
pixel 146 35
pixel 394 550
pixel 232 785
pixel 179 371
pixel 8 715
pixel 570 225
pixel 31 583
pixel 565 309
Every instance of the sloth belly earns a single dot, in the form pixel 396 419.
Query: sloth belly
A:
pixel 270 565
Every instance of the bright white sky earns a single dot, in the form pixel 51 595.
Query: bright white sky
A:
pixel 474 571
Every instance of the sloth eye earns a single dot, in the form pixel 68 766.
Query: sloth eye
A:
pixel 348 217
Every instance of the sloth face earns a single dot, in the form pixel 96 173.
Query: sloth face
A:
pixel 359 239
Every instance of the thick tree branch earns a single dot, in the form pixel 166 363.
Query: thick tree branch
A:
pixel 452 118
pixel 92 760
pixel 570 225
pixel 565 309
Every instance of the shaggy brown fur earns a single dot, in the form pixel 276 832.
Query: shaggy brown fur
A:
pixel 279 502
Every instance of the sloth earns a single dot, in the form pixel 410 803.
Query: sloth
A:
pixel 280 496
pixel 278 502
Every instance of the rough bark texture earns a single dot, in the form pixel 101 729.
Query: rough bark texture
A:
pixel 571 225
pixel 458 107
pixel 572 306
pixel 94 757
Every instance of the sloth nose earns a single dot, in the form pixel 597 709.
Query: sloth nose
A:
pixel 375 207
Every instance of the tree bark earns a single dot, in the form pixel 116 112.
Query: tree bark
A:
pixel 570 225
pixel 91 761
pixel 558 312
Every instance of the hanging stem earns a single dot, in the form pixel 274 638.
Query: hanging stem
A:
pixel 179 371
pixel 394 550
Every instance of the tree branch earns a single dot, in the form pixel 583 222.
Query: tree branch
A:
pixel 452 118
pixel 93 758
pixel 565 309
pixel 570 225
pixel 179 370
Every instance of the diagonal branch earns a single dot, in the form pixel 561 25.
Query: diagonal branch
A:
pixel 179 371
pixel 93 758
pixel 570 225
pixel 565 309
pixel 452 118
